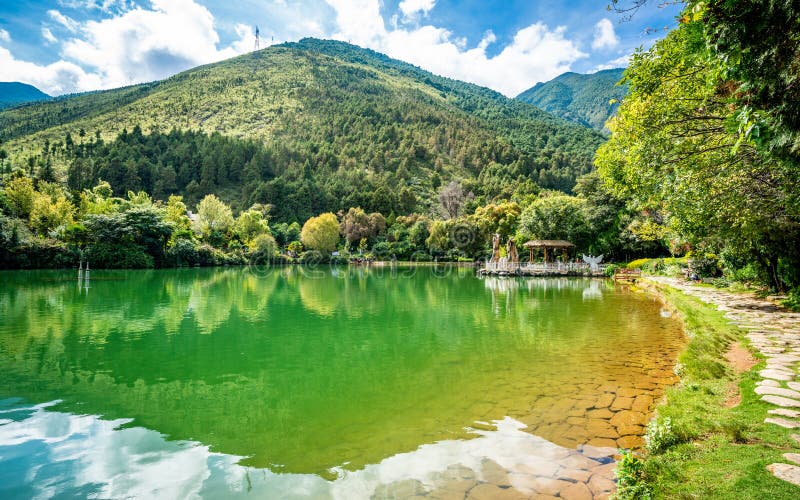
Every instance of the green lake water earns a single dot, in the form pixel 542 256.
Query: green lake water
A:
pixel 323 383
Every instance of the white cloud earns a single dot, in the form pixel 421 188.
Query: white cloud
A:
pixel 108 6
pixel 4 36
pixel 412 8
pixel 604 35
pixel 135 46
pixel 144 44
pixel 69 23
pixel 54 79
pixel 620 62
pixel 536 53
pixel 48 35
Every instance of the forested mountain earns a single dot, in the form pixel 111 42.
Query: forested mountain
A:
pixel 306 127
pixel 579 98
pixel 13 93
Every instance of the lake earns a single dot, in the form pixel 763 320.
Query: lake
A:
pixel 323 382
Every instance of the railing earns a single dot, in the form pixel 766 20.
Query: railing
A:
pixel 542 267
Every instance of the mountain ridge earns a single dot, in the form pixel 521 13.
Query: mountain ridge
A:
pixel 16 93
pixel 330 114
pixel 580 98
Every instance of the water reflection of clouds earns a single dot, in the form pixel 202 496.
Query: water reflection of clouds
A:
pixel 54 453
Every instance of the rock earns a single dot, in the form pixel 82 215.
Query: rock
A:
pixel 603 443
pixel 777 391
pixel 776 374
pixel 458 471
pixel 628 417
pixel 491 492
pixel 642 403
pixel 549 486
pixel 792 457
pixel 578 461
pixel 446 495
pixel 399 489
pixel 595 452
pixel 772 383
pixel 781 401
pixel 574 475
pixel 794 385
pixel 493 473
pixel 796 438
pixel 577 491
pixel 602 414
pixel 541 467
pixel 599 485
pixel 784 412
pixel 630 392
pixel 786 472
pixel 630 430
pixel 622 403
pixel 604 401
pixel 788 424
pixel 630 442
pixel 460 486
pixel 601 429
pixel 523 482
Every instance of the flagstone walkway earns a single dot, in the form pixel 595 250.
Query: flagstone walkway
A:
pixel 775 332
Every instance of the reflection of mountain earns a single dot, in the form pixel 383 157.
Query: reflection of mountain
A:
pixel 303 372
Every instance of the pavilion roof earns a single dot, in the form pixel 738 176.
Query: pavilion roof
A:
pixel 548 244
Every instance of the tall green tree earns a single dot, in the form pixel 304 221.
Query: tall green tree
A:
pixel 678 149
pixel 321 233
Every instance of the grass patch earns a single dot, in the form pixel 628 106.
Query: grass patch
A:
pixel 712 451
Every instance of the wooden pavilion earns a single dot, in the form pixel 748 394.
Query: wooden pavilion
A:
pixel 547 244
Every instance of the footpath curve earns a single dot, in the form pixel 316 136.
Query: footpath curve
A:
pixel 775 332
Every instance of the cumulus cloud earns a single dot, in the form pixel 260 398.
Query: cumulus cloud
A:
pixel 136 46
pixel 536 53
pixel 4 36
pixel 412 8
pixel 604 35
pixel 143 44
pixel 48 35
pixel 620 62
pixel 67 22
pixel 54 79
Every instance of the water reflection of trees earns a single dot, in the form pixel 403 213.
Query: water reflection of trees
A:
pixel 354 365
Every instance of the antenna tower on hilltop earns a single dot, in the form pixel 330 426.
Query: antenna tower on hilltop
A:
pixel 258 40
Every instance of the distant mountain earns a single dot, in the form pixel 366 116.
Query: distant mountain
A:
pixel 579 98
pixel 339 122
pixel 13 93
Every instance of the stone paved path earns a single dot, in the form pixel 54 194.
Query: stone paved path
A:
pixel 775 332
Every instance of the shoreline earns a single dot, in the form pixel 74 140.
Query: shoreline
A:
pixel 721 421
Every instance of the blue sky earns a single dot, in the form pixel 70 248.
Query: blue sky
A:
pixel 66 46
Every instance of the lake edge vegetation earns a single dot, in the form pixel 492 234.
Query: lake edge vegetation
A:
pixel 697 436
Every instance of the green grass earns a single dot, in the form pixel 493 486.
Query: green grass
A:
pixel 721 452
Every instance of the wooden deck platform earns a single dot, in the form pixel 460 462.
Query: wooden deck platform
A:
pixel 540 269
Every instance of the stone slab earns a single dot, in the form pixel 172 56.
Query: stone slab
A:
pixel 783 422
pixel 786 472
pixel 777 391
pixel 781 401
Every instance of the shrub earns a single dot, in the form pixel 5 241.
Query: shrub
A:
pixel 209 256
pixel 638 263
pixel 116 256
pixel 706 266
pixel 631 478
pixel 183 253
pixel 660 435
